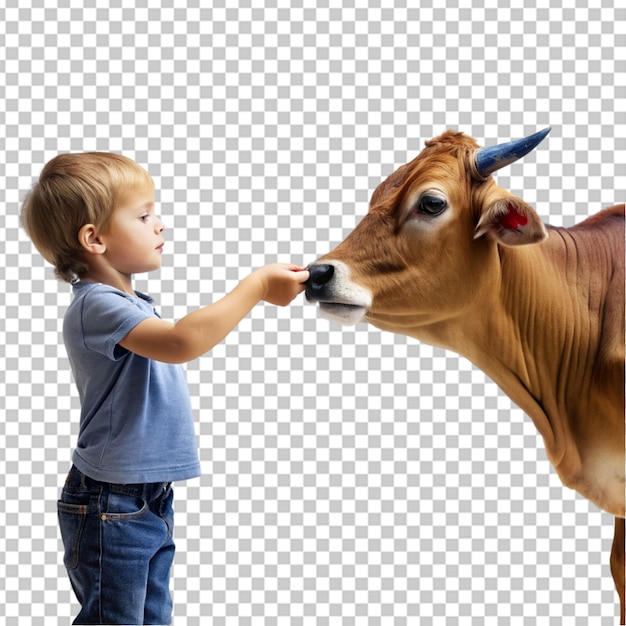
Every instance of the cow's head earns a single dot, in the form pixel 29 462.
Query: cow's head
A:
pixel 421 253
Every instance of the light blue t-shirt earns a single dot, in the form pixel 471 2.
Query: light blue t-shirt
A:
pixel 136 422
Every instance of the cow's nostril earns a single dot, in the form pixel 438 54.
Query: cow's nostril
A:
pixel 320 275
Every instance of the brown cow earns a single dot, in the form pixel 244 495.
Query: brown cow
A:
pixel 442 257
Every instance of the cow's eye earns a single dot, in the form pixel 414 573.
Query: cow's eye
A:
pixel 432 205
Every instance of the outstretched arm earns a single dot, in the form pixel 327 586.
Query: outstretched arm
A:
pixel 199 331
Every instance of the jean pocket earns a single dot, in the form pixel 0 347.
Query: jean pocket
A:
pixel 121 507
pixel 72 519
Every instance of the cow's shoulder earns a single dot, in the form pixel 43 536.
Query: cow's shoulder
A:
pixel 613 217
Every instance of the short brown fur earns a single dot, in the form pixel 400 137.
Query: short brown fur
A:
pixel 544 321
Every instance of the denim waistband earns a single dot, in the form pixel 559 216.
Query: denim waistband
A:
pixel 78 482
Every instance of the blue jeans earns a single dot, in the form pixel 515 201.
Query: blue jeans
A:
pixel 118 549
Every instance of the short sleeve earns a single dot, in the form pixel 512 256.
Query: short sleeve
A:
pixel 108 316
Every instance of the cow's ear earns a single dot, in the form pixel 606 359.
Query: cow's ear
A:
pixel 512 222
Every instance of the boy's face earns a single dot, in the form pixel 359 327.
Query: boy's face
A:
pixel 134 239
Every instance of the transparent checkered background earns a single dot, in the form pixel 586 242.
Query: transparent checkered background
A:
pixel 350 477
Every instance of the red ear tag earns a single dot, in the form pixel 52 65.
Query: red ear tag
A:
pixel 512 220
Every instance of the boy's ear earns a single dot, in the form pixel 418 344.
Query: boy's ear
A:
pixel 511 221
pixel 90 240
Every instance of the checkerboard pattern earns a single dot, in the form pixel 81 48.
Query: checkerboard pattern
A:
pixel 351 477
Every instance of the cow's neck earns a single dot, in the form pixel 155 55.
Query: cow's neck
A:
pixel 522 333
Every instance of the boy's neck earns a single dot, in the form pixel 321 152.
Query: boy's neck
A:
pixel 119 281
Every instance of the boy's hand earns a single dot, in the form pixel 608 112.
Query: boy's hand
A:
pixel 281 283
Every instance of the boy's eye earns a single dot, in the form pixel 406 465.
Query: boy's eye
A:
pixel 145 217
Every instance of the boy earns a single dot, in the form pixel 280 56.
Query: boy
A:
pixel 92 216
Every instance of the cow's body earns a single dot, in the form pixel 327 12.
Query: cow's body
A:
pixel 544 321
pixel 548 329
pixel 566 367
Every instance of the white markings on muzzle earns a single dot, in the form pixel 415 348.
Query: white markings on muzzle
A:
pixel 346 302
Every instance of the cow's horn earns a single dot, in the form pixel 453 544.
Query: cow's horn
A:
pixel 490 159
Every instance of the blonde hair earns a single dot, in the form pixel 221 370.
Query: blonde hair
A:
pixel 74 190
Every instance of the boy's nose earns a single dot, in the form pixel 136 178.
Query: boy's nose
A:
pixel 160 226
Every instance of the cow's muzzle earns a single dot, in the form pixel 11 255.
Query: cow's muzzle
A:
pixel 319 276
pixel 339 299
